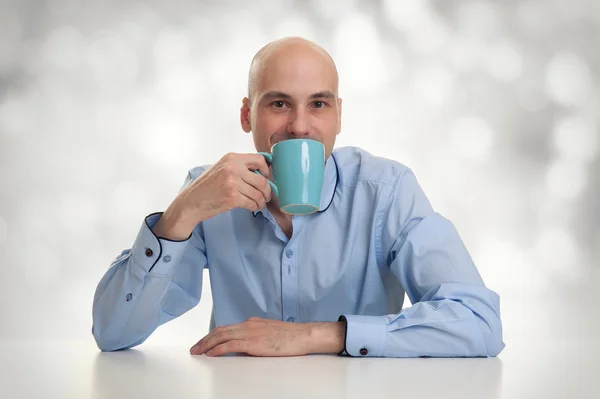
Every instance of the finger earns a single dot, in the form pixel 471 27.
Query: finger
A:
pixel 217 337
pixel 249 192
pixel 256 162
pixel 221 338
pixel 258 182
pixel 234 346
pixel 247 203
pixel 195 349
pixel 200 347
pixel 250 205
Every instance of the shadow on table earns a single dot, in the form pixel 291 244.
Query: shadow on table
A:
pixel 116 374
pixel 343 377
pixel 150 372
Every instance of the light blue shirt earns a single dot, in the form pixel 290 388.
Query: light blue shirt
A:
pixel 375 237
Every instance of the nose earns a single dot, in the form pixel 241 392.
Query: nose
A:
pixel 298 124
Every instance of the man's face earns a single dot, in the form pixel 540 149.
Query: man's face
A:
pixel 295 97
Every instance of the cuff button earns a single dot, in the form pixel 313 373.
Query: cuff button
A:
pixel 364 352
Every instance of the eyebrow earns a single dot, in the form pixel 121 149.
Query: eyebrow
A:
pixel 279 94
pixel 323 94
pixel 275 94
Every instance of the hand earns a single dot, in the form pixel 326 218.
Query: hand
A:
pixel 229 183
pixel 263 337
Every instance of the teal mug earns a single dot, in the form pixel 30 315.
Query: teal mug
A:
pixel 298 169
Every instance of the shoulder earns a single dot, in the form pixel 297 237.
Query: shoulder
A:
pixel 355 165
pixel 195 173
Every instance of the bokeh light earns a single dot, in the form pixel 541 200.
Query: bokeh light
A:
pixel 360 65
pixel 566 179
pixel 575 138
pixel 568 79
pixel 557 251
pixel 504 62
pixel 473 138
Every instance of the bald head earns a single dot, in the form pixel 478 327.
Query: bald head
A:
pixel 293 50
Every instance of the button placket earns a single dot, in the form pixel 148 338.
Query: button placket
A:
pixel 289 282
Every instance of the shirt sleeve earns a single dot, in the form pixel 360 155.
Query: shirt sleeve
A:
pixel 148 285
pixel 453 313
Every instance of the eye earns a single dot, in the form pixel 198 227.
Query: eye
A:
pixel 319 104
pixel 278 104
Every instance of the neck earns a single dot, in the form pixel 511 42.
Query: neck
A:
pixel 273 207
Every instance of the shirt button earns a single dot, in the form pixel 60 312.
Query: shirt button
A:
pixel 149 252
pixel 289 253
pixel 364 351
pixel 167 259
pixel 291 319
pixel 128 297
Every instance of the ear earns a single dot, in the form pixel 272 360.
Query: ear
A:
pixel 339 121
pixel 245 115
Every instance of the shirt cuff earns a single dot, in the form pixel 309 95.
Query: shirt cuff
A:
pixel 365 335
pixel 154 254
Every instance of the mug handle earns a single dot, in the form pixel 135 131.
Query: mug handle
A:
pixel 269 159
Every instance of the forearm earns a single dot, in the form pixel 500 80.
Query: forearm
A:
pixel 127 302
pixel 177 223
pixel 126 308
pixel 326 337
pixel 453 320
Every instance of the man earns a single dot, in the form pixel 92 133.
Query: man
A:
pixel 329 282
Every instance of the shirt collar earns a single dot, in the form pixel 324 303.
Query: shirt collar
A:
pixel 330 182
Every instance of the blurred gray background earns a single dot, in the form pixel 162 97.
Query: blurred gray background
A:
pixel 105 105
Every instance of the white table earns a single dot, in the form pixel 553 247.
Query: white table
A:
pixel 80 370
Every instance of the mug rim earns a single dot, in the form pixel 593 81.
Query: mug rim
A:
pixel 316 141
pixel 315 209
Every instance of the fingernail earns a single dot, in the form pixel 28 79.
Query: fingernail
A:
pixel 193 350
